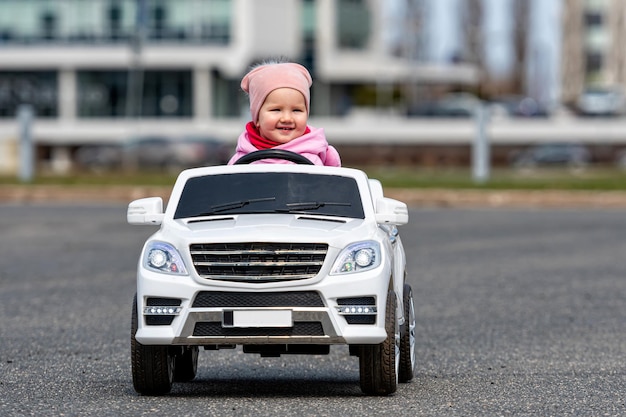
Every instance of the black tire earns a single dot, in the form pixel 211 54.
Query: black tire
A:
pixel 152 366
pixel 407 338
pixel 274 154
pixel 186 364
pixel 378 364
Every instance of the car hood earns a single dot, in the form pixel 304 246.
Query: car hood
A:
pixel 269 227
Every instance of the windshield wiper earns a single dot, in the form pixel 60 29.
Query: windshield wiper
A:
pixel 234 205
pixel 312 205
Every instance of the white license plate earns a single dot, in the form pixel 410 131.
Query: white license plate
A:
pixel 257 318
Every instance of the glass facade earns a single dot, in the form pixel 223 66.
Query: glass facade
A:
pixel 353 24
pixel 102 93
pixel 114 21
pixel 37 88
pixel 308 34
pixel 228 100
pixel 106 94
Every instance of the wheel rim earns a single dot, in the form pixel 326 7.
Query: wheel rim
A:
pixel 397 340
pixel 411 326
pixel 170 367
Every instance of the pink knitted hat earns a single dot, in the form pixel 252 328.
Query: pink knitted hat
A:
pixel 264 79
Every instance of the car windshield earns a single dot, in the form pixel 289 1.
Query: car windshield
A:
pixel 270 192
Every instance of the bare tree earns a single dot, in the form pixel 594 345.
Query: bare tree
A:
pixel 473 23
pixel 474 48
pixel 520 44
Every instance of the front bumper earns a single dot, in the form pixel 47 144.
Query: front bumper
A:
pixel 316 310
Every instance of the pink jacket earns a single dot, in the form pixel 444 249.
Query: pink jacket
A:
pixel 312 145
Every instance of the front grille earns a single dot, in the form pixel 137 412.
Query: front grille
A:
pixel 159 320
pixel 360 319
pixel 214 328
pixel 157 301
pixel 355 301
pixel 263 299
pixel 258 261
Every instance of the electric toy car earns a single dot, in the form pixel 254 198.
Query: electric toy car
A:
pixel 276 259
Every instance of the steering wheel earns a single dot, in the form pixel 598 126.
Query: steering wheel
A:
pixel 273 154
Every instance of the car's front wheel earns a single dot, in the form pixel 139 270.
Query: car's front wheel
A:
pixel 152 366
pixel 379 364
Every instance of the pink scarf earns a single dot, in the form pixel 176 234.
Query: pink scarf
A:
pixel 259 141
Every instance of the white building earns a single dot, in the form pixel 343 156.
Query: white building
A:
pixel 104 70
pixel 593 54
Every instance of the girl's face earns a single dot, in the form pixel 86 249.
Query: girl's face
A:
pixel 283 115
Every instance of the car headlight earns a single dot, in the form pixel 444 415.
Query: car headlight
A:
pixel 357 257
pixel 163 257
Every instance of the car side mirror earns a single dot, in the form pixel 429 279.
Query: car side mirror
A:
pixel 391 211
pixel 146 211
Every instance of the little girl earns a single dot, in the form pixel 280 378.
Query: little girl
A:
pixel 279 105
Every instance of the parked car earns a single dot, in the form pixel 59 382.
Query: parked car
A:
pixel 519 106
pixel 620 159
pixel 601 102
pixel 99 158
pixel 156 152
pixel 174 153
pixel 275 258
pixel 454 105
pixel 552 154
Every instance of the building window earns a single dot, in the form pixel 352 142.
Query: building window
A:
pixel 167 94
pixel 115 21
pixel 48 26
pixel 37 88
pixel 164 94
pixel 159 28
pixel 309 20
pixel 593 19
pixel 102 93
pixel 228 99
pixel 353 24
pixel 594 62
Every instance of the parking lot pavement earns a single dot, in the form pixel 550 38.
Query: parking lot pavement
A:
pixel 510 198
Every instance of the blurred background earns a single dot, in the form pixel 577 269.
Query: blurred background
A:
pixel 116 84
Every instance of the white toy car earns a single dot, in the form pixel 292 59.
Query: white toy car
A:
pixel 277 258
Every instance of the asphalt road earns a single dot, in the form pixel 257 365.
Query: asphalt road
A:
pixel 519 312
